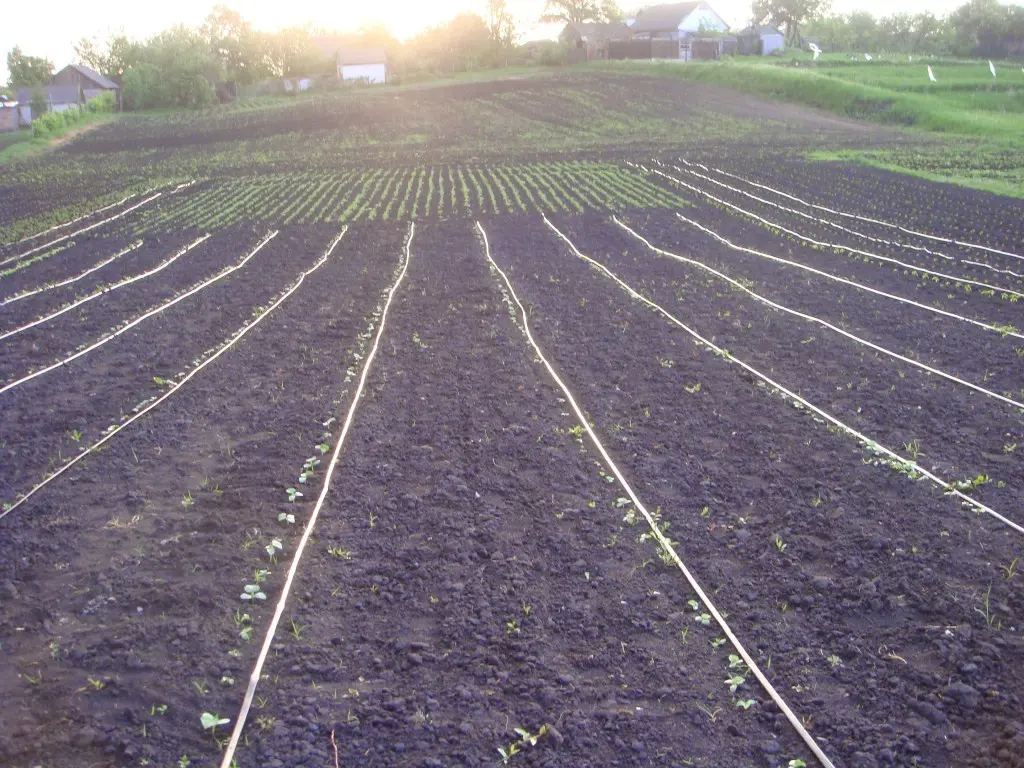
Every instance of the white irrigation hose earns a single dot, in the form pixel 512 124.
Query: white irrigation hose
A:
pixel 62 283
pixel 819 243
pixel 125 212
pixel 268 640
pixel 868 442
pixel 852 283
pixel 889 224
pixel 139 319
pixel 834 225
pixel 666 545
pixel 174 386
pixel 811 318
pixel 102 291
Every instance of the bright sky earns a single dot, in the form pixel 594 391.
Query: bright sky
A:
pixel 51 34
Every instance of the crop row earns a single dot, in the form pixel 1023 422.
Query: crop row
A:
pixel 400 194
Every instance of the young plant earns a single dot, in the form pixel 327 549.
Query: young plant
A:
pixel 285 517
pixel 210 722
pixel 253 592
pixel 292 495
pixel 273 548
pixel 735 682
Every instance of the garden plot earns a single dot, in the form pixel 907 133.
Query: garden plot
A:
pixel 411 193
pixel 483 573
pixel 859 582
pixel 116 380
pixel 830 232
pixel 172 517
pixel 928 319
pixel 942 210
pixel 897 404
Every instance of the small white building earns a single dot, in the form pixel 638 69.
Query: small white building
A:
pixel 57 98
pixel 761 40
pixel 363 65
pixel 676 21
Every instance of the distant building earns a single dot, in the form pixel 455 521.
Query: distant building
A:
pixel 593 38
pixel 760 40
pixel 89 82
pixel 677 21
pixel 57 98
pixel 8 115
pixel 368 65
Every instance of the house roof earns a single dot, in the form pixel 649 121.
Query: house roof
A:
pixel 92 74
pixel 355 56
pixel 761 29
pixel 592 31
pixel 55 94
pixel 658 18
pixel 329 45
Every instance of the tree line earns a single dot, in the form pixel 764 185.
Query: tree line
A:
pixel 181 66
pixel 982 28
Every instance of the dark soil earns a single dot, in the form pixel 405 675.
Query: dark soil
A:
pixel 880 572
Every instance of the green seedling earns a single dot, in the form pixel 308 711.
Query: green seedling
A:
pixel 157 709
pixel 297 630
pixel 622 501
pixel 241 618
pixel 694 389
pixel 1009 447
pixel 273 548
pixel 780 544
pixel 694 605
pixel 717 643
pixel 201 686
pixel 745 703
pixel 339 553
pixel 577 431
pixel 187 500
pixel 246 634
pixel 75 435
pixel 210 722
pixel 735 682
pixel 913 449
pixel 711 713
pixel 797 763
pixel 284 517
pixel 968 485
pixel 735 662
pixel 834 661
pixel 323 448
pixel 511 626
pixel 260 575
pixel 253 592
pixel 293 494
pixel 507 752
pixel 227 680
pixel 704 619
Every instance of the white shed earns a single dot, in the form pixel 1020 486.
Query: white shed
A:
pixel 369 65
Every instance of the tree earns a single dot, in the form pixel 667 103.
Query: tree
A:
pixel 789 14
pixel 571 11
pixel 119 55
pixel 501 24
pixel 611 12
pixel 27 71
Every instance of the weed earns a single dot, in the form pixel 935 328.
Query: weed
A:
pixel 339 553
pixel 711 713
pixel 1009 571
pixel 297 630
pixel 75 435
pixel 265 723
pixel 158 709
pixel 913 449
pixel 187 500
pixel 201 687
pixel 986 610
pixel 693 389
pixel 780 544
pixel 968 485
pixel 512 626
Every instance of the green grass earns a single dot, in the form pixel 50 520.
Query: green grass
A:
pixel 973 120
pixel 855 92
pixel 26 146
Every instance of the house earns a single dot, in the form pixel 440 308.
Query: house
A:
pixel 677 21
pixel 8 115
pixel 57 97
pixel 369 65
pixel 89 82
pixel 760 40
pixel 593 38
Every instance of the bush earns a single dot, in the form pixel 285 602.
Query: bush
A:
pixel 105 102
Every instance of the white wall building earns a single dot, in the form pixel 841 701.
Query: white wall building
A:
pixel 363 65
